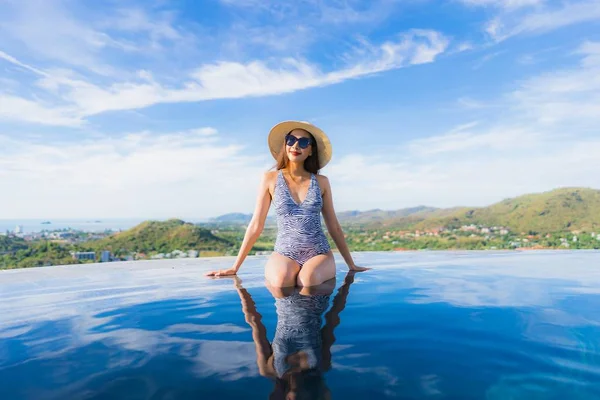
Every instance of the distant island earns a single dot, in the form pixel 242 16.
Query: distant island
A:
pixel 567 218
pixel 46 222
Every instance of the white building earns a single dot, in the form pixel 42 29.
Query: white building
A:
pixel 18 229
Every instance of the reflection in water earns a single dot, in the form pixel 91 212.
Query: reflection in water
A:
pixel 446 326
pixel 301 350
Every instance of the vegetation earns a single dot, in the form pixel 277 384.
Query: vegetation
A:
pixel 564 218
pixel 37 255
pixel 161 237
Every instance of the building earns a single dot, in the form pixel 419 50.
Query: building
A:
pixel 105 256
pixel 84 255
pixel 18 229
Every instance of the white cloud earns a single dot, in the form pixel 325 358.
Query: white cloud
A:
pixel 545 139
pixel 237 80
pixel 49 30
pixel 509 4
pixel 565 95
pixel 84 38
pixel 542 19
pixel 196 173
pixel 464 140
pixel 188 174
pixel 16 108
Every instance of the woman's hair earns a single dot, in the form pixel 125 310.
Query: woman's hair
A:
pixel 308 384
pixel 311 164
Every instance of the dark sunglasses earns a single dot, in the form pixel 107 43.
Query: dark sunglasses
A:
pixel 303 142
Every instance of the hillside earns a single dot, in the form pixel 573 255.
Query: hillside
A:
pixel 553 211
pixel 11 244
pixel 161 236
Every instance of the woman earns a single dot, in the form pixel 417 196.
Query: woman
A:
pixel 300 353
pixel 302 255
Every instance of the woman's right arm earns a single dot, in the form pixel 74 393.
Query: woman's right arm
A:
pixel 255 227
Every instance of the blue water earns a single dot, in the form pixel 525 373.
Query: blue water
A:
pixel 423 325
pixel 85 225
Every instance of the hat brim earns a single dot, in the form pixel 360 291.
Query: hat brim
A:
pixel 278 132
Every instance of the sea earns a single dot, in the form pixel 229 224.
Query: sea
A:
pixel 468 325
pixel 85 225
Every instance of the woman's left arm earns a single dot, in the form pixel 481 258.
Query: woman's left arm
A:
pixel 334 228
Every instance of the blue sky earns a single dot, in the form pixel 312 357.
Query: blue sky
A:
pixel 156 109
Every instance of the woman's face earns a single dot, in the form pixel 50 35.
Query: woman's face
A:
pixel 296 153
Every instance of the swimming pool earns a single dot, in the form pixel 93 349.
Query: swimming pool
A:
pixel 421 325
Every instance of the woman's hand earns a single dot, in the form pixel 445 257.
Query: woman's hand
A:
pixel 222 272
pixel 356 268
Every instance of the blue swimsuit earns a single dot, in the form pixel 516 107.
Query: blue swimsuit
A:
pixel 299 232
pixel 298 329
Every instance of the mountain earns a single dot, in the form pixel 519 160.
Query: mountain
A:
pixel 376 215
pixel 161 237
pixel 553 211
pixel 234 220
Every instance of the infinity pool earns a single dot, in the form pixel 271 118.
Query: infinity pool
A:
pixel 421 325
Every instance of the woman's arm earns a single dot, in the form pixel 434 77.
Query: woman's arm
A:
pixel 332 319
pixel 255 227
pixel 334 228
pixel 259 332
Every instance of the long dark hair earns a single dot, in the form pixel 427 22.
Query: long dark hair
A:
pixel 309 383
pixel 311 164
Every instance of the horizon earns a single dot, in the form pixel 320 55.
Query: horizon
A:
pixel 117 109
pixel 270 214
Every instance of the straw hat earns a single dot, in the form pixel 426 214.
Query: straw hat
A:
pixel 278 132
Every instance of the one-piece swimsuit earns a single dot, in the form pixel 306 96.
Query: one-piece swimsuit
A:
pixel 299 232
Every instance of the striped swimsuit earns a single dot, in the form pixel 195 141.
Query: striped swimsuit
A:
pixel 299 232
pixel 299 320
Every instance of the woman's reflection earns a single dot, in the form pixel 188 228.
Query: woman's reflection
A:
pixel 301 350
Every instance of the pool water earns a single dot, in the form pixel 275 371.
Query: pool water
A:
pixel 421 325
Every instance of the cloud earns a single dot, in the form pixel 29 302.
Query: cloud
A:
pixel 508 4
pixel 194 172
pixel 16 108
pixel 84 38
pixel 544 139
pixel 565 95
pixel 318 13
pixel 463 140
pixel 542 19
pixel 237 80
pixel 476 163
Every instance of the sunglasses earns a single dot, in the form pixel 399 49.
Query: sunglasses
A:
pixel 303 142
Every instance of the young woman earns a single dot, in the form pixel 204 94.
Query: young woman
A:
pixel 302 255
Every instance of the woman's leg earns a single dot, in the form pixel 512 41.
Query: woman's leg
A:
pixel 281 271
pixel 317 270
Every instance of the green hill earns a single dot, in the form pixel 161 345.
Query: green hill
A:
pixel 554 211
pixel 161 237
pixel 11 244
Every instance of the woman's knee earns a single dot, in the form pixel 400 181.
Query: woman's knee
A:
pixel 311 278
pixel 316 271
pixel 282 279
pixel 281 272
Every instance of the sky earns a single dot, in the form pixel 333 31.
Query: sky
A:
pixel 161 109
